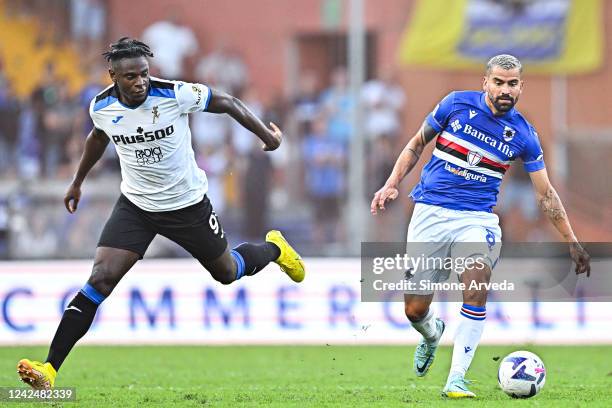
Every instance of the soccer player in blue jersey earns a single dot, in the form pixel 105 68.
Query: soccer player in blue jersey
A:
pixel 478 135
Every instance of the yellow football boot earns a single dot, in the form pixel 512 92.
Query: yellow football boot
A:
pixel 40 376
pixel 289 260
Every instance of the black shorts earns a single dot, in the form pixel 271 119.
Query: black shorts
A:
pixel 195 228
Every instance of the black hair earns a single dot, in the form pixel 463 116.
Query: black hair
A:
pixel 127 47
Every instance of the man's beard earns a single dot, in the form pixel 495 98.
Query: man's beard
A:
pixel 503 107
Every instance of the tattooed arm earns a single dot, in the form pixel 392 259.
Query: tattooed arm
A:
pixel 550 203
pixel 405 162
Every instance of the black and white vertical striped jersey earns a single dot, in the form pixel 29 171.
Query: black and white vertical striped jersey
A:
pixel 153 142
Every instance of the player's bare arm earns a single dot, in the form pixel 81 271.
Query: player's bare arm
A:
pixel 405 162
pixel 223 103
pixel 95 144
pixel 550 203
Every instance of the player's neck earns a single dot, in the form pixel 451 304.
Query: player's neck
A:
pixel 126 101
pixel 130 103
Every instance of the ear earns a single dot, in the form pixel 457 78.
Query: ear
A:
pixel 484 83
pixel 111 73
pixel 521 86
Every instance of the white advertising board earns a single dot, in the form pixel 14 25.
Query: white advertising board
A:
pixel 177 302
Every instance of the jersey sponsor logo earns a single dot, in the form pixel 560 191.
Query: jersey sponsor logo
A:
pixel 468 175
pixel 491 141
pixel 144 137
pixel 117 119
pixel 155 112
pixel 473 113
pixel 473 158
pixel 508 133
pixel 149 156
pixel 456 125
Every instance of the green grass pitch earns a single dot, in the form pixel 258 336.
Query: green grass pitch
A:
pixel 334 376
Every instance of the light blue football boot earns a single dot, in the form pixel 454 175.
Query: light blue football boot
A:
pixel 456 387
pixel 425 352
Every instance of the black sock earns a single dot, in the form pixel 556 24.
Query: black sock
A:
pixel 252 258
pixel 76 320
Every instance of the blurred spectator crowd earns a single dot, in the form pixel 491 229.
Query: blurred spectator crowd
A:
pixel 43 125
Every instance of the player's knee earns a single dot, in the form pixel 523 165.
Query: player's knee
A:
pixel 415 311
pixel 475 297
pixel 102 279
pixel 475 281
pixel 224 279
pixel 224 274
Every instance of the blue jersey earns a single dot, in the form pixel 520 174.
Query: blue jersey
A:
pixel 473 150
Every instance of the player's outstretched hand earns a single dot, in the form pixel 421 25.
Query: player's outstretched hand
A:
pixel 386 193
pixel 581 257
pixel 277 137
pixel 72 197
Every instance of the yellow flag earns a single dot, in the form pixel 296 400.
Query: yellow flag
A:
pixel 548 36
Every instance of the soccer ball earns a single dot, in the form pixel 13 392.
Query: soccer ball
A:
pixel 521 374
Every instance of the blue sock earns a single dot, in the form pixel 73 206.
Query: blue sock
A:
pixel 240 264
pixel 92 294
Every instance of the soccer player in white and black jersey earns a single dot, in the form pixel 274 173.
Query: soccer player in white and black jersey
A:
pixel 163 191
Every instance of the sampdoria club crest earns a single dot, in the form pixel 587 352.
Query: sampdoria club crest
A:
pixel 508 133
pixel 473 158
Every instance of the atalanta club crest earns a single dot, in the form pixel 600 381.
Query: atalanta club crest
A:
pixel 155 112
pixel 508 133
pixel 473 158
